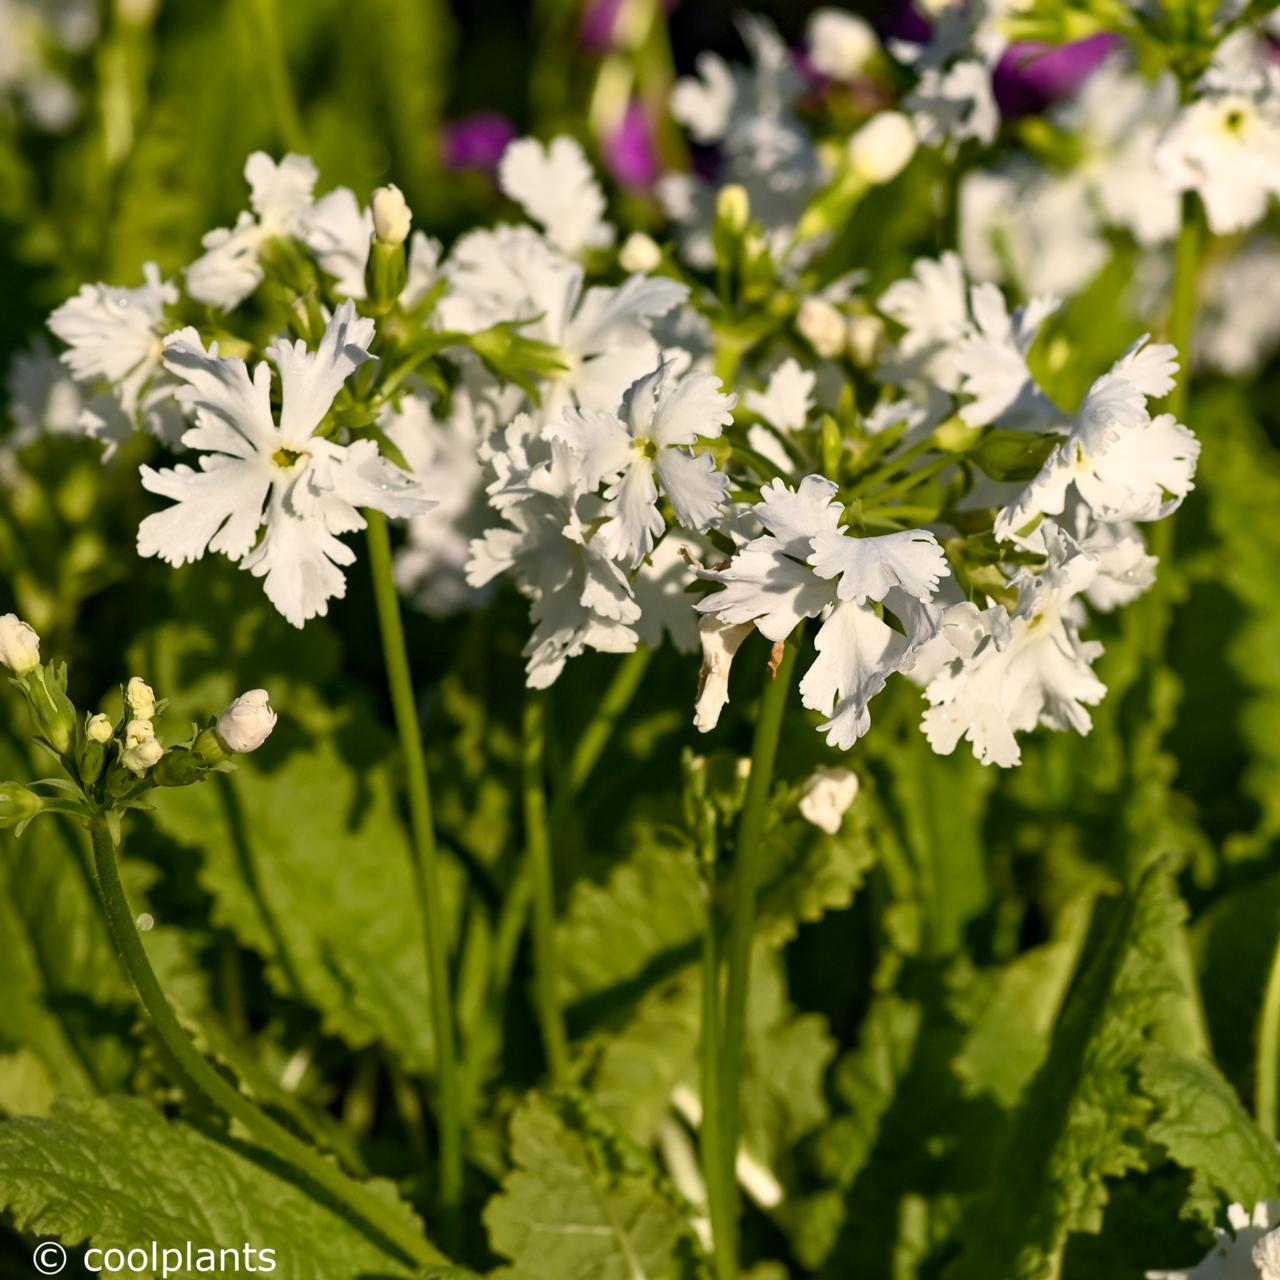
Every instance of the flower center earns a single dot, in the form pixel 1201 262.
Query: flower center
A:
pixel 647 449
pixel 287 458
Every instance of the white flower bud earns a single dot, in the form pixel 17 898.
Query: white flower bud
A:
pixel 733 207
pixel 840 44
pixel 639 252
pixel 141 750
pixel 883 147
pixel 866 337
pixel 141 698
pixel 247 723
pixel 391 215
pixel 19 645
pixel 827 795
pixel 822 327
pixel 99 729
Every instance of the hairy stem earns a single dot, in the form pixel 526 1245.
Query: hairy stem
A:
pixel 426 867
pixel 555 1041
pixel 747 870
pixel 1267 1069
pixel 195 1074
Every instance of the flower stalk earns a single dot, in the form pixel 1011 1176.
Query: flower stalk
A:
pixel 426 866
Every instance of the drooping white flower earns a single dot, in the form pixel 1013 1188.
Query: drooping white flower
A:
pixel 805 565
pixel 579 596
pixel 280 195
pixel 1225 145
pixel 247 723
pixel 1013 673
pixel 19 645
pixel 828 794
pixel 603 334
pixel 305 488
pixel 116 335
pixel 558 190
pixel 840 44
pixel 1122 463
pixel 720 643
pixel 650 441
pixel 1245 1252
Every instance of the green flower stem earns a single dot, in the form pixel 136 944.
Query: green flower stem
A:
pixel 426 866
pixel 747 871
pixel 595 737
pixel 1267 1070
pixel 720 1193
pixel 555 1040
pixel 196 1075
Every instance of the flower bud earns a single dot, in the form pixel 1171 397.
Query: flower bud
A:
pixel 19 645
pixel 392 217
pixel 99 729
pixel 733 208
pixel 883 147
pixel 639 252
pixel 141 698
pixel 51 709
pixel 822 327
pixel 827 795
pixel 247 723
pixel 141 749
pixel 17 805
pixel 866 338
pixel 840 44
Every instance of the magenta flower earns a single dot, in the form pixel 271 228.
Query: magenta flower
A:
pixel 1031 74
pixel 477 141
pixel 630 152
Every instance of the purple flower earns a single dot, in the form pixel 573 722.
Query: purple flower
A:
pixel 597 24
pixel 477 141
pixel 1031 75
pixel 630 152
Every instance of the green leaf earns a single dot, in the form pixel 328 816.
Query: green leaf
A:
pixel 583 1201
pixel 305 855
pixel 115 1173
pixel 1083 1117
pixel 1199 1121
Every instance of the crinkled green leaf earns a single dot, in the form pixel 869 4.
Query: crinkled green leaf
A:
pixel 583 1203
pixel 116 1173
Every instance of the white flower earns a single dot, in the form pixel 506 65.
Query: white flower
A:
pixel 932 305
pixel 116 335
pixel 305 488
pixel 828 793
pixel 392 216
pixel 141 749
pixel 1011 674
pixel 1124 464
pixel 99 729
pixel 639 253
pixel 720 642
pixel 43 397
pixel 883 147
pixel 141 698
pixel 992 360
pixel 822 327
pixel 602 335
pixel 579 597
pixel 954 105
pixel 805 565
pixel 247 723
pixel 650 441
pixel 558 190
pixel 660 586
pixel 1225 145
pixel 1246 1252
pixel 1238 324
pixel 229 270
pixel 785 404
pixel 1117 118
pixel 840 44
pixel 19 645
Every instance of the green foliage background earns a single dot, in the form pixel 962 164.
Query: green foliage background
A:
pixel 1003 1025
